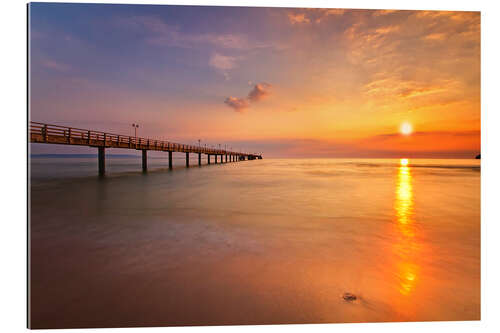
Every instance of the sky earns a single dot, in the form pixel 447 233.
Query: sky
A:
pixel 284 82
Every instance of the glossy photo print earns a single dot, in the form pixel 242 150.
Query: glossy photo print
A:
pixel 198 165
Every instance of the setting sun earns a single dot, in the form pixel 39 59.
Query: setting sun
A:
pixel 403 161
pixel 406 128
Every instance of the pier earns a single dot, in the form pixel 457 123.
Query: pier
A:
pixel 62 135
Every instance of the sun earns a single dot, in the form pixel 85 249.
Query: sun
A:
pixel 406 128
pixel 403 161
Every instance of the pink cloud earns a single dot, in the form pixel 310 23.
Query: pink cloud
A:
pixel 56 65
pixel 237 104
pixel 297 18
pixel 258 92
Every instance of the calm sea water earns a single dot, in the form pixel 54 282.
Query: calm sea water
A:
pixel 255 242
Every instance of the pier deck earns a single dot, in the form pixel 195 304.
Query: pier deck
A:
pixel 63 135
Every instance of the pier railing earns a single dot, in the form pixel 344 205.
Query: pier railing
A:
pixel 47 133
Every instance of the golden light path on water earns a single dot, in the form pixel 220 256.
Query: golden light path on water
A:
pixel 407 245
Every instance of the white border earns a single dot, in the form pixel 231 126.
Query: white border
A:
pixel 13 166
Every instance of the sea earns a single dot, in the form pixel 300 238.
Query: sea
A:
pixel 271 241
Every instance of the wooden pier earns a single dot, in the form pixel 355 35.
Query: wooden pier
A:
pixel 62 135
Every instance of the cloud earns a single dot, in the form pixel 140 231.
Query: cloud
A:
pixel 387 29
pixel 163 34
pixel 238 104
pixel 223 63
pixel 435 36
pixel 298 18
pixel 333 11
pixel 60 67
pixel 220 61
pixel 383 12
pixel 325 12
pixel 415 59
pixel 439 142
pixel 259 92
pixel 316 15
pixel 413 94
pixel 430 144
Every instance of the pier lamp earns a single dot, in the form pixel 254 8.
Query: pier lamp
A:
pixel 135 126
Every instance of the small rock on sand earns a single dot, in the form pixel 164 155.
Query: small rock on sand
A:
pixel 349 297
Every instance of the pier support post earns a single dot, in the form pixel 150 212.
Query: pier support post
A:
pixel 226 157
pixel 208 158
pixel 170 160
pixel 187 160
pixel 215 158
pixel 144 160
pixel 199 158
pixel 101 158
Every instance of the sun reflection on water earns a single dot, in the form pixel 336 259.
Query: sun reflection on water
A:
pixel 406 246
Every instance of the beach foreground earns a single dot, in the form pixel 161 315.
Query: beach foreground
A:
pixel 263 242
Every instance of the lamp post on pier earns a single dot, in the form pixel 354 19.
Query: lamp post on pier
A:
pixel 135 126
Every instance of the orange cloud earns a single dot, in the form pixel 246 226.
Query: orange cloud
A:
pixel 435 36
pixel 298 18
pixel 258 93
pixel 387 29
pixel 238 104
pixel 425 141
pixel 383 12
